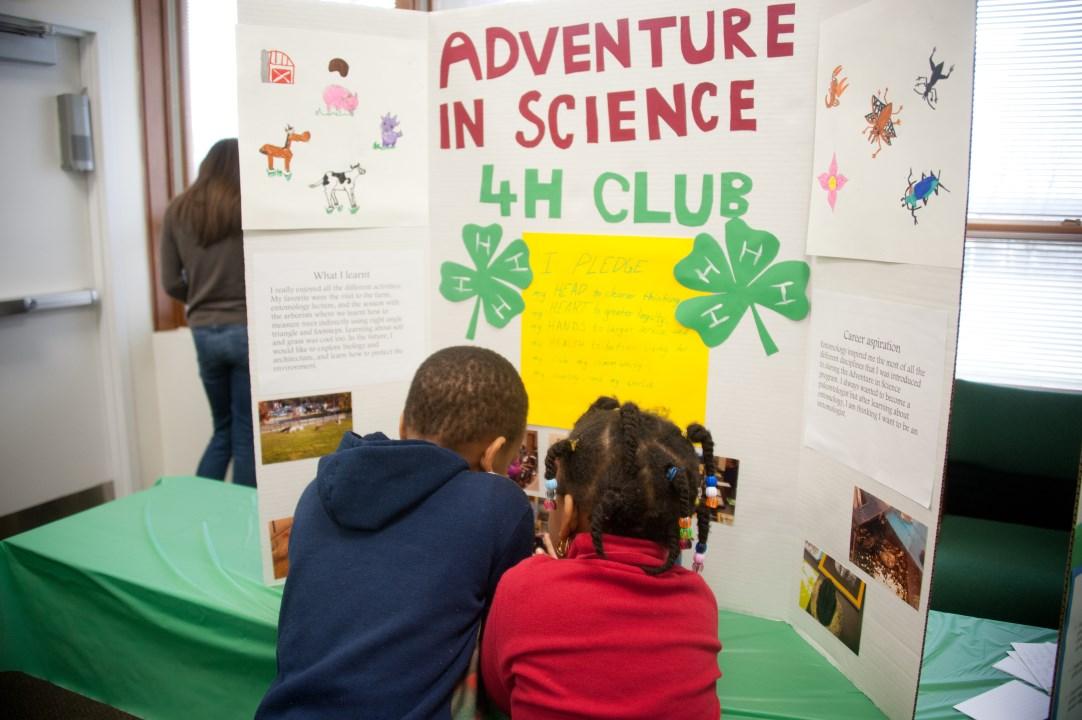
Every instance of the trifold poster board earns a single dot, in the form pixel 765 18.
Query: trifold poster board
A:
pixel 1067 689
pixel 749 215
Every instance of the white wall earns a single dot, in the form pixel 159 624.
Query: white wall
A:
pixel 123 270
pixel 184 413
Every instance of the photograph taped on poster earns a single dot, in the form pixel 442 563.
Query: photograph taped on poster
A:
pixel 303 427
pixel 552 439
pixel 847 583
pixel 523 469
pixel 832 595
pixel 889 545
pixel 541 517
pixel 727 471
pixel 279 531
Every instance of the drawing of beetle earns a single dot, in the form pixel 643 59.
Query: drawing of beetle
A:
pixel 881 121
pixel 917 194
pixel 925 86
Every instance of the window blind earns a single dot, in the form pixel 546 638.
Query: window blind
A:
pixel 1027 110
pixel 1021 317
pixel 1021 314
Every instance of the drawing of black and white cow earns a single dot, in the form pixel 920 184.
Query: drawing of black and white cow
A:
pixel 340 182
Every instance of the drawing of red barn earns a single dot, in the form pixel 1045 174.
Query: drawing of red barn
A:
pixel 276 67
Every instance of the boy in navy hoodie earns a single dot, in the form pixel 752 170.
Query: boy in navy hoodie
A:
pixel 397 546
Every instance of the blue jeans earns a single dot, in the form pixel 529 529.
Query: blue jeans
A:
pixel 222 351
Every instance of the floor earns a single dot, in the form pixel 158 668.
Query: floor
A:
pixel 23 697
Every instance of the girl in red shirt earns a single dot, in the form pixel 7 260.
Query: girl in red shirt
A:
pixel 612 627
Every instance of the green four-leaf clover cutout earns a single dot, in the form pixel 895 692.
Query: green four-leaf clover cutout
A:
pixel 491 282
pixel 739 278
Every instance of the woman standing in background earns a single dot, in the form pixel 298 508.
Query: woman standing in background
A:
pixel 202 263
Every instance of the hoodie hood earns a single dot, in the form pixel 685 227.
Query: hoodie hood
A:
pixel 369 481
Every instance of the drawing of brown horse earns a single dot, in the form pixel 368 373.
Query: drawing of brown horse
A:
pixel 275 151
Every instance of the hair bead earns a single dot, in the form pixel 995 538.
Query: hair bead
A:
pixel 550 493
pixel 709 494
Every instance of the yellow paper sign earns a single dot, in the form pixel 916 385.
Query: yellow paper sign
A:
pixel 600 320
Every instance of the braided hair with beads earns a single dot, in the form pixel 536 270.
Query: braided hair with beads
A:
pixel 636 475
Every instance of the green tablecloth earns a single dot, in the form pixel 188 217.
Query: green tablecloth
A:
pixel 154 604
pixel 770 672
pixel 959 652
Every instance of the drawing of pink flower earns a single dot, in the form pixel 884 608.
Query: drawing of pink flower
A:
pixel 832 181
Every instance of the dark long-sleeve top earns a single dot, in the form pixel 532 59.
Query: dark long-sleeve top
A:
pixel 395 552
pixel 208 280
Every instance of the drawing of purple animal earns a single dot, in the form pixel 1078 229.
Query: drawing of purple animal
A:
pixel 340 182
pixel 389 131
pixel 339 100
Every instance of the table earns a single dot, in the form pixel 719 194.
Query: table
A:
pixel 772 674
pixel 958 655
pixel 154 604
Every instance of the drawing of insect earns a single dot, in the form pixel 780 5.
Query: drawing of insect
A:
pixel 881 121
pixel 917 193
pixel 837 87
pixel 925 86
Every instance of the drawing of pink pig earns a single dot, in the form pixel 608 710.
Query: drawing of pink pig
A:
pixel 336 97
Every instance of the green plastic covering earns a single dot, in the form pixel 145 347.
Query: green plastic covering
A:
pixel 152 603
pixel 1065 686
pixel 959 652
pixel 770 672
pixel 155 605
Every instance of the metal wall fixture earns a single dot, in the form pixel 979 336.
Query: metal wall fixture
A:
pixel 76 140
pixel 48 301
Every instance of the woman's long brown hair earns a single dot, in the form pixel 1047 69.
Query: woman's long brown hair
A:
pixel 210 208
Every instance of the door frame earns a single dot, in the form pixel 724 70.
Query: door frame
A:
pixel 117 383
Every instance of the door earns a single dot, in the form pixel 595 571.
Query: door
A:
pixel 53 425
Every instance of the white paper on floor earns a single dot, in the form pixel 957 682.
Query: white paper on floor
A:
pixel 1012 701
pixel 1013 666
pixel 1040 658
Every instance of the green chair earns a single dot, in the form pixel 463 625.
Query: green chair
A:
pixel 1008 503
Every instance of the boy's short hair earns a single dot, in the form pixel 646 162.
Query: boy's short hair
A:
pixel 466 394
